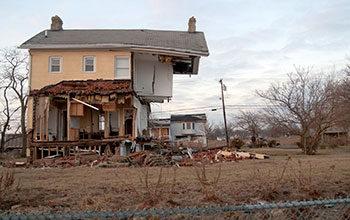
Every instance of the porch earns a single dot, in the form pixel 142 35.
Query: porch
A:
pixel 78 116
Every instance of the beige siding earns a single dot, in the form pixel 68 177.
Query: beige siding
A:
pixel 72 66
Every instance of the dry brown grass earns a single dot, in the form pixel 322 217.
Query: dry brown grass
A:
pixel 208 184
pixel 9 189
pixel 85 188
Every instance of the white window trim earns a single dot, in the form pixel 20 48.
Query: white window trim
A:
pixel 184 126
pixel 115 68
pixel 50 63
pixel 94 58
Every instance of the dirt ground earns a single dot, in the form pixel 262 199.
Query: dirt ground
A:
pixel 286 175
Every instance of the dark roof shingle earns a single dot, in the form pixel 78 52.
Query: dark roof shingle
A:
pixel 86 87
pixel 178 41
pixel 189 117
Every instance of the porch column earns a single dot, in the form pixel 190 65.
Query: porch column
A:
pixel 106 122
pixel 68 119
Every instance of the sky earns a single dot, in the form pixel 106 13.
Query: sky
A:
pixel 251 43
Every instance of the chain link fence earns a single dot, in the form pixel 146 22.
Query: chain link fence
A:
pixel 338 209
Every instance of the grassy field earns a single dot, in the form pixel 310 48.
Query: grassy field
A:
pixel 286 175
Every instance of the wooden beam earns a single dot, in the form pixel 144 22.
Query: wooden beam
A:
pixel 35 153
pixel 34 118
pixel 133 123
pixel 41 117
pixel 68 120
pixel 64 150
pixel 106 123
pixel 84 103
pixel 47 112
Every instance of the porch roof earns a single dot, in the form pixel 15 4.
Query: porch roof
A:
pixel 85 87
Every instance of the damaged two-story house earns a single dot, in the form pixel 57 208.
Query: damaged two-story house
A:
pixel 92 88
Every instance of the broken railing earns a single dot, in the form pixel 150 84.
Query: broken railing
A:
pixel 314 209
pixel 42 149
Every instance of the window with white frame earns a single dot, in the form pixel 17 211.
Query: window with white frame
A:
pixel 55 64
pixel 188 126
pixel 89 64
pixel 122 67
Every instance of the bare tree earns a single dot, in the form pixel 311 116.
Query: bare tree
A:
pixel 304 105
pixel 343 93
pixel 7 115
pixel 14 73
pixel 251 122
pixel 208 128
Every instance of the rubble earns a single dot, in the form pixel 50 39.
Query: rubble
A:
pixel 157 157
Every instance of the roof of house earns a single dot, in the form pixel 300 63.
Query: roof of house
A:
pixel 174 41
pixel 189 117
pixel 153 123
pixel 86 87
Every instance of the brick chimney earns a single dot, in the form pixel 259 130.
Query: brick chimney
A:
pixel 56 23
pixel 192 25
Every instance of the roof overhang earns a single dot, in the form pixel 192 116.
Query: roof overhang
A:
pixel 159 99
pixel 136 48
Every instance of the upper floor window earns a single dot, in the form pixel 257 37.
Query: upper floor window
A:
pixel 89 64
pixel 188 126
pixel 122 67
pixel 55 64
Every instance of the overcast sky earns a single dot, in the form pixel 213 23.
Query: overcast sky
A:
pixel 251 43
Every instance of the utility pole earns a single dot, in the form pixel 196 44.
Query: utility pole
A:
pixel 224 112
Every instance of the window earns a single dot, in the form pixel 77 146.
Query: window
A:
pixel 89 64
pixel 122 67
pixel 188 126
pixel 55 64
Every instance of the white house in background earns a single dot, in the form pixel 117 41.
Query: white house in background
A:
pixel 188 128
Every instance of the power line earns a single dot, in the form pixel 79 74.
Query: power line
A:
pixel 214 108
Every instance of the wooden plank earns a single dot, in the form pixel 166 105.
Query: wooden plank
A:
pixel 106 124
pixel 41 117
pixel 105 99
pixel 68 119
pixel 47 112
pixel 64 150
pixel 99 150
pixel 34 124
pixel 49 151
pixel 57 150
pixel 42 152
pixel 134 123
pixel 76 109
pixel 109 107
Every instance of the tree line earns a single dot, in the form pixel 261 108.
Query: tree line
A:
pixel 305 105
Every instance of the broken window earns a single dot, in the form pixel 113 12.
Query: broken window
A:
pixel 122 67
pixel 89 64
pixel 55 64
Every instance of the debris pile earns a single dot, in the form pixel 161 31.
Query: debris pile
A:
pixel 218 156
pixel 160 157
